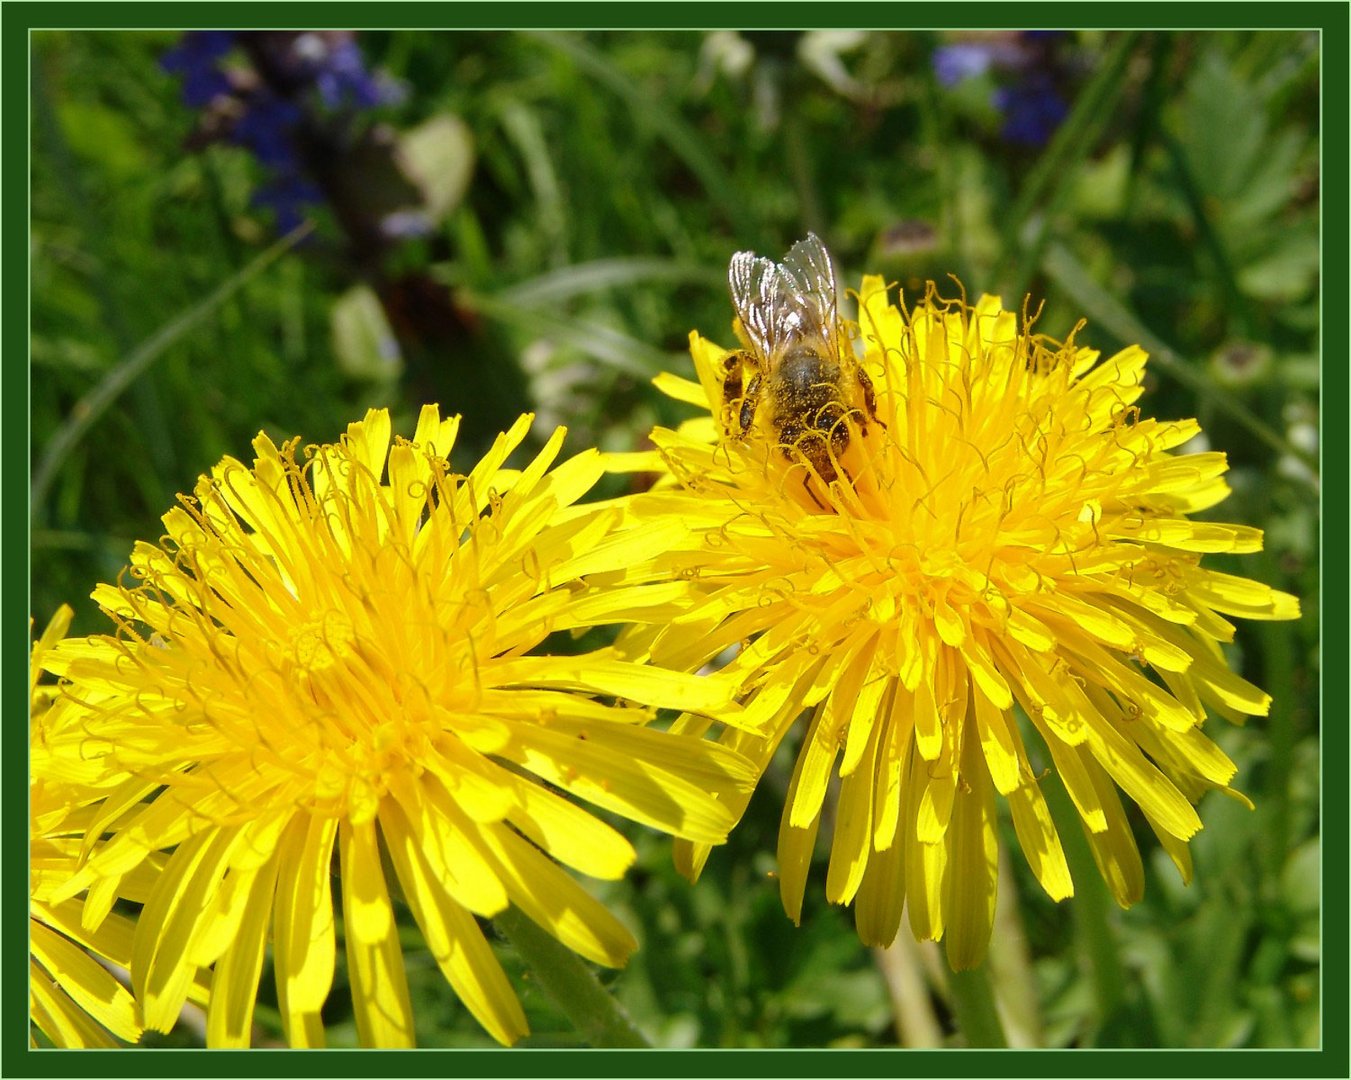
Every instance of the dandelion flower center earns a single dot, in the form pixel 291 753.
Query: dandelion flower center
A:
pixel 314 629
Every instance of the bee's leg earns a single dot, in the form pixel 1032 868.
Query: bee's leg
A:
pixel 739 406
pixel 869 396
pixel 834 437
pixel 731 385
pixel 807 483
pixel 808 447
pixel 748 406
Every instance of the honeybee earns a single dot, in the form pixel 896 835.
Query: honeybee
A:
pixel 800 361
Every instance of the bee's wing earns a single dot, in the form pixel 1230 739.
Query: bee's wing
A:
pixel 810 266
pixel 762 296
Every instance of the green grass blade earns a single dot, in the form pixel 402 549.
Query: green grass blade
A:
pixel 1209 236
pixel 648 111
pixel 582 279
pixel 613 348
pixel 126 371
pixel 1071 142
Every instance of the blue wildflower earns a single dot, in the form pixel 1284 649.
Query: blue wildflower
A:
pixel 344 80
pixel 1032 110
pixel 288 101
pixel 1027 69
pixel 194 60
pixel 267 127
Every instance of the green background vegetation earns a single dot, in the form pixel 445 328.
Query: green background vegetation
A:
pixel 593 187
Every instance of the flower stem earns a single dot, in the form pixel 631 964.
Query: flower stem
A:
pixel 972 1000
pixel 570 983
pixel 1092 906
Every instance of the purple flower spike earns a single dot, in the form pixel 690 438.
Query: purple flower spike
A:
pixel 344 80
pixel 194 60
pixel 265 128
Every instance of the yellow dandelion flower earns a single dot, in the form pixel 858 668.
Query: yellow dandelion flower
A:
pixel 330 660
pixel 983 568
pixel 73 999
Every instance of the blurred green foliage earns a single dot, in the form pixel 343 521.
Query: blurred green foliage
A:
pixel 591 188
